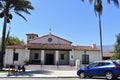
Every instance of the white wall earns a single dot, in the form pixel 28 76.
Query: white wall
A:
pixel 93 55
pixel 22 55
pixel 8 58
pixel 55 40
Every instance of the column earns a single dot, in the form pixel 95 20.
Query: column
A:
pixel 71 57
pixel 42 56
pixel 57 57
pixel 27 54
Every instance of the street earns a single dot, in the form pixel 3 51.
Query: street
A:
pixel 47 79
pixel 47 73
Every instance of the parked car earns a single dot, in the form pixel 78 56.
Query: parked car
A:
pixel 109 69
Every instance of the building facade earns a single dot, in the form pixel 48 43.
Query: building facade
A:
pixel 50 50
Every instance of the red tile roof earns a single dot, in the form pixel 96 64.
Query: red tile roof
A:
pixel 52 46
pixel 49 46
pixel 42 46
pixel 108 54
pixel 88 48
pixel 20 46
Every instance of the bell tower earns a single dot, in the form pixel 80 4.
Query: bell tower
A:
pixel 31 36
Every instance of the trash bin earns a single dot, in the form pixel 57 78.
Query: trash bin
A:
pixel 77 64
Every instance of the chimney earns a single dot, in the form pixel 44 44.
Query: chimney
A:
pixel 93 45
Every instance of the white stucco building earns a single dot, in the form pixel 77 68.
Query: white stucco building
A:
pixel 50 50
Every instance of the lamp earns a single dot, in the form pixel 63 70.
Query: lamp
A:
pixel 85 57
pixel 14 49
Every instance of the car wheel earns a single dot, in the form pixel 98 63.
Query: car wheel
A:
pixel 82 75
pixel 109 75
pixel 90 76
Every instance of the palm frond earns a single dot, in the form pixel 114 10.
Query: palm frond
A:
pixel 116 2
pixel 28 5
pixel 22 5
pixel 26 11
pixel 108 1
pixel 91 1
pixel 2 14
pixel 21 15
pixel 82 0
pixel 1 5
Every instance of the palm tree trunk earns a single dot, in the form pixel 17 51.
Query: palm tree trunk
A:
pixel 3 43
pixel 100 29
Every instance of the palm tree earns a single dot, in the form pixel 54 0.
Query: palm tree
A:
pixel 6 8
pixel 98 7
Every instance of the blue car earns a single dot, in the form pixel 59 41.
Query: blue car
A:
pixel 109 69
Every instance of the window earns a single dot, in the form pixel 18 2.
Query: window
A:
pixel 107 63
pixel 30 37
pixel 49 39
pixel 62 57
pixel 101 64
pixel 36 56
pixel 71 56
pixel 116 63
pixel 85 59
pixel 15 56
pixel 93 65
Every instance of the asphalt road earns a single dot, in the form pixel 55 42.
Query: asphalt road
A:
pixel 17 78
pixel 36 70
pixel 48 79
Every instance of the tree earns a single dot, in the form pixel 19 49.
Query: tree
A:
pixel 13 41
pixel 0 43
pixel 6 8
pixel 117 47
pixel 98 7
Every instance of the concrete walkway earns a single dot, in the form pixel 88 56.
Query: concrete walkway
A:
pixel 45 71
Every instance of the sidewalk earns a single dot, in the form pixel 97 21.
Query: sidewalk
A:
pixel 42 73
pixel 45 71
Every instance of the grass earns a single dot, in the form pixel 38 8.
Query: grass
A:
pixel 6 71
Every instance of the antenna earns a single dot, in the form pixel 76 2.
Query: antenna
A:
pixel 50 30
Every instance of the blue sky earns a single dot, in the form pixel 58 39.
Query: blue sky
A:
pixel 70 19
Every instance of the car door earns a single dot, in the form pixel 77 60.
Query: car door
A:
pixel 98 69
pixel 92 69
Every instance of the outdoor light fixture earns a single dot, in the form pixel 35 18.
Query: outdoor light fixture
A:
pixel 85 61
pixel 14 49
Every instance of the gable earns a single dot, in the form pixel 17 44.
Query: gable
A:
pixel 50 39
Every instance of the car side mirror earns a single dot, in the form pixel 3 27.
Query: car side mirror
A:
pixel 88 67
